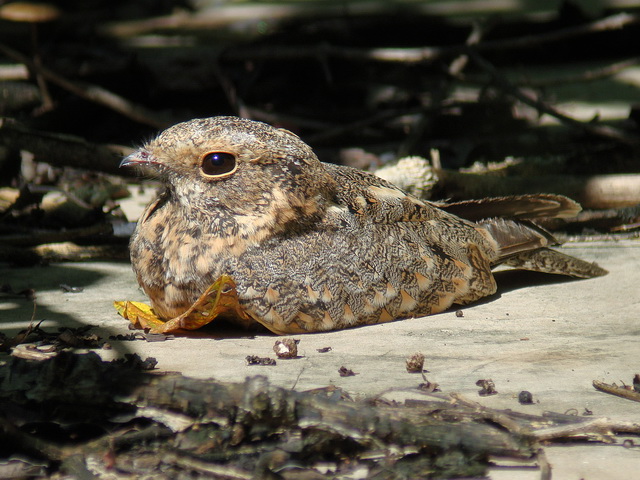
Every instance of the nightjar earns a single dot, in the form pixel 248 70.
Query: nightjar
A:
pixel 252 224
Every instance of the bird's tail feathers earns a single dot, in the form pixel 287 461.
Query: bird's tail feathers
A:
pixel 514 237
pixel 523 245
pixel 551 261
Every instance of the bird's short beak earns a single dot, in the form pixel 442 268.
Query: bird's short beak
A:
pixel 139 157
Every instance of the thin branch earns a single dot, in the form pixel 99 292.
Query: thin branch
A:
pixel 61 149
pixel 613 22
pixel 616 390
pixel 588 75
pixel 505 85
pixel 428 53
pixel 93 93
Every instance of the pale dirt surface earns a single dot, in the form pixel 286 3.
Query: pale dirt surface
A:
pixel 542 333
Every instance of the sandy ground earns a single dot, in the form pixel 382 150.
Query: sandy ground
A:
pixel 546 334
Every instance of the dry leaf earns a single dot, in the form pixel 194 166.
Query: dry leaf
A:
pixel 220 298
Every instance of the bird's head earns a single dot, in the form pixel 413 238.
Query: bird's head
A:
pixel 237 167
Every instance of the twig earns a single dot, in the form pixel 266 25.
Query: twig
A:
pixel 586 76
pixel 616 390
pixel 61 149
pixel 428 53
pixel 516 92
pixel 598 426
pixel 93 93
pixel 217 471
pixel 496 416
pixel 614 22
pixel 458 64
pixel 359 125
pixel 545 466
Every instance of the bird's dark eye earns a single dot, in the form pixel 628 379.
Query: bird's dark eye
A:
pixel 218 164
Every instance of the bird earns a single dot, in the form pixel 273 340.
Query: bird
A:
pixel 251 226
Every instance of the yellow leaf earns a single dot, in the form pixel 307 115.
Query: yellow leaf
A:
pixel 219 299
pixel 139 314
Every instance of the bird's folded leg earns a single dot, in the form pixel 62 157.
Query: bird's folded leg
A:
pixel 219 299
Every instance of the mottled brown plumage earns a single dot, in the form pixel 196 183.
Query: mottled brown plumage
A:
pixel 311 246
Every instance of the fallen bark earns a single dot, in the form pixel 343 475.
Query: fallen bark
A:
pixel 180 425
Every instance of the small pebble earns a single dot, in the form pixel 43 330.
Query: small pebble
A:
pixel 525 398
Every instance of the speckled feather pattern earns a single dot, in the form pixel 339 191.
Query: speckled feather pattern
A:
pixel 310 246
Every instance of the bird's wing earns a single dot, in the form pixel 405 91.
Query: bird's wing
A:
pixel 377 200
pixel 529 207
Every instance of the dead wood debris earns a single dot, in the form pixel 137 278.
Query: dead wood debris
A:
pixel 92 93
pixel 174 426
pixel 35 340
pixel 415 363
pixel 487 387
pixel 630 392
pixel 346 372
pixel 256 360
pixel 286 348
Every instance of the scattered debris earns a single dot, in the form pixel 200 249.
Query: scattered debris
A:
pixel 29 351
pixel 415 363
pixel 487 387
pixel 69 289
pixel 346 372
pixel 629 393
pixel 178 426
pixel 256 360
pixel 286 348
pixel 129 337
pixel 157 337
pixel 8 292
pixel 323 349
pixel 525 398
pixel 459 313
pixel 428 387
pixel 46 342
pixel 134 362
